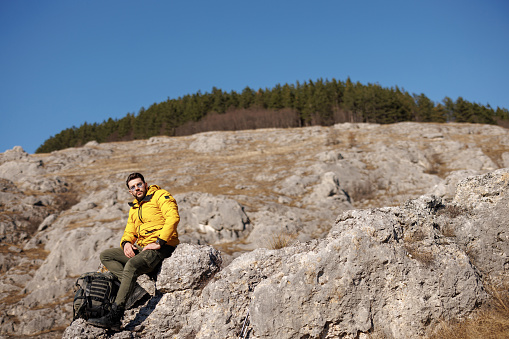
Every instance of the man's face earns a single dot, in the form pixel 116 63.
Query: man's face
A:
pixel 137 188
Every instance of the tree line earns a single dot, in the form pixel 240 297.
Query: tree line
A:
pixel 320 102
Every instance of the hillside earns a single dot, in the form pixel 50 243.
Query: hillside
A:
pixel 246 192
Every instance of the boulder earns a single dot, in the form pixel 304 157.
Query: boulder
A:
pixel 190 267
pixel 209 219
pixel 181 278
pixel 477 221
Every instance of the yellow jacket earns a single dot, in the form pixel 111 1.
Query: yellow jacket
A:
pixel 156 216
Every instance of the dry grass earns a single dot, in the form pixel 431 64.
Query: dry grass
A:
pixel 230 247
pixel 448 231
pixel 491 322
pixel 376 335
pixel 453 211
pixel 352 141
pixel 36 253
pixel 27 266
pixel 13 298
pixel 110 220
pixel 490 145
pixel 494 150
pixel 436 166
pixel 279 240
pixel 333 137
pixel 363 191
pixel 425 257
pixel 79 224
pixel 415 236
pixel 413 246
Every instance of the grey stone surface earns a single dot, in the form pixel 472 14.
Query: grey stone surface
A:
pixel 389 269
pixel 241 191
pixel 208 219
pixel 190 267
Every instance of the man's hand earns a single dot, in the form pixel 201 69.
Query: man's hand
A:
pixel 152 246
pixel 128 250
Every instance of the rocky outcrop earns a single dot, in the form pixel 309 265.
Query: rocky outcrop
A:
pixel 246 192
pixel 478 222
pixel 396 271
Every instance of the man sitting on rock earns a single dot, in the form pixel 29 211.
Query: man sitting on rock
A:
pixel 149 237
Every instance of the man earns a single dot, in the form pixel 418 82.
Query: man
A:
pixel 149 237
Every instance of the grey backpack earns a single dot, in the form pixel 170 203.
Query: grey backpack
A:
pixel 95 293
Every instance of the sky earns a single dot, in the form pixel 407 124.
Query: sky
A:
pixel 64 63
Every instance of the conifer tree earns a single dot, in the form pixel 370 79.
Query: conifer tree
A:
pixel 424 109
pixel 462 111
pixel 439 113
pixel 247 98
pixel 276 98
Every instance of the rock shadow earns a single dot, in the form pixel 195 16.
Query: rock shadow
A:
pixel 144 312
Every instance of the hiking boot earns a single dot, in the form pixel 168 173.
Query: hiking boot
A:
pixel 137 294
pixel 110 320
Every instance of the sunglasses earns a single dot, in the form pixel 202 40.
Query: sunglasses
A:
pixel 139 185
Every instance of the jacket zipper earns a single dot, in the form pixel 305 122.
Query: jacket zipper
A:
pixel 140 214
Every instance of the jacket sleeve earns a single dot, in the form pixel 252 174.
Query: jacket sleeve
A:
pixel 169 209
pixel 130 229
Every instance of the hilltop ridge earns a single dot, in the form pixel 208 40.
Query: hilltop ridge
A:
pixel 321 102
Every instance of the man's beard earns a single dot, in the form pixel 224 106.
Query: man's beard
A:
pixel 141 197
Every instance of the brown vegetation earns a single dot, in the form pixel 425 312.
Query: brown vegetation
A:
pixel 436 166
pixel 280 240
pixel 490 322
pixel 243 119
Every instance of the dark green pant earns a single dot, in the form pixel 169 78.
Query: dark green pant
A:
pixel 127 269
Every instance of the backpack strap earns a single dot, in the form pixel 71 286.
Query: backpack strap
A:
pixel 80 311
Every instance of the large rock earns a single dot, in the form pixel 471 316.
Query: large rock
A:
pixel 181 279
pixel 477 221
pixel 16 153
pixel 28 172
pixel 388 270
pixel 190 267
pixel 208 219
pixel 485 191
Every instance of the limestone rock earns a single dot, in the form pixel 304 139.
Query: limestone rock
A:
pixel 210 142
pixel 482 191
pixel 189 267
pixel 447 187
pixel 16 153
pixel 390 270
pixel 181 277
pixel 477 220
pixel 210 219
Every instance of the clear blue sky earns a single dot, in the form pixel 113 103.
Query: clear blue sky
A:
pixel 64 63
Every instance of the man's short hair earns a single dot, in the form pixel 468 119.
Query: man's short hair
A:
pixel 133 176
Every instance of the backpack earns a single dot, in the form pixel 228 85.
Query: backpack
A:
pixel 95 293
